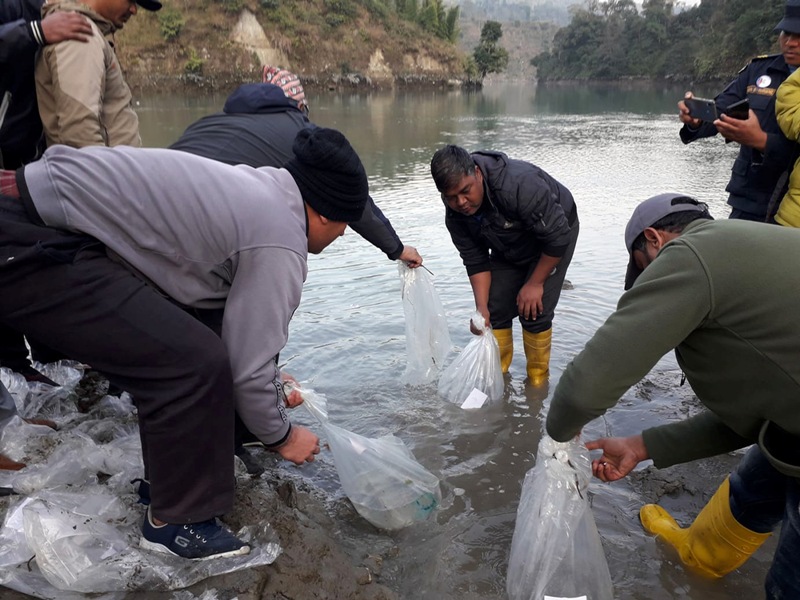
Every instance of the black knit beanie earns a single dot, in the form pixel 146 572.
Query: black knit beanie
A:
pixel 329 174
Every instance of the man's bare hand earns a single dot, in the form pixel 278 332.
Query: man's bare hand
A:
pixel 620 456
pixel 684 115
pixel 484 311
pixel 746 132
pixel 290 388
pixel 529 300
pixel 301 447
pixel 59 26
pixel 411 257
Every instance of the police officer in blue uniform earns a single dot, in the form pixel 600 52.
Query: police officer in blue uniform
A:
pixel 759 174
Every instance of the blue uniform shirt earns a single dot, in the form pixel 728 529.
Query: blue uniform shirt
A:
pixel 755 175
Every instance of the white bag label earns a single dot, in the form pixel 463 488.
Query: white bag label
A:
pixel 562 598
pixel 475 399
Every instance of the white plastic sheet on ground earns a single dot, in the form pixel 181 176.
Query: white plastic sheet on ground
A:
pixel 75 527
pixel 427 335
pixel 475 374
pixel 380 476
pixel 37 399
pixel 556 550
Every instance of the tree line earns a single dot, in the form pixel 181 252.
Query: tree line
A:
pixel 614 39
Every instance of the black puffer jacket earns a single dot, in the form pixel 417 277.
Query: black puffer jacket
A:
pixel 525 213
pixel 257 127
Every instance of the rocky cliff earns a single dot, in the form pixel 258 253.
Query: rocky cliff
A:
pixel 329 43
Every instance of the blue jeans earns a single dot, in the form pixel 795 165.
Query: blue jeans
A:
pixel 761 497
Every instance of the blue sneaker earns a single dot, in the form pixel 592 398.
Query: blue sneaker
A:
pixel 143 489
pixel 196 541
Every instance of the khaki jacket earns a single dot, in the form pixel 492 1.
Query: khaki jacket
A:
pixel 83 98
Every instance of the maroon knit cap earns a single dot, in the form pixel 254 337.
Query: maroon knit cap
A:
pixel 288 82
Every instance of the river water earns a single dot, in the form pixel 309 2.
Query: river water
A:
pixel 612 146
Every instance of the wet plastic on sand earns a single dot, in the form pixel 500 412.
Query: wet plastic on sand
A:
pixel 75 526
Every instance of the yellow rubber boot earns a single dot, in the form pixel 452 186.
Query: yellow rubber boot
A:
pixel 505 340
pixel 537 352
pixel 715 544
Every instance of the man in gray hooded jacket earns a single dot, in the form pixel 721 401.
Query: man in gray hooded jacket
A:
pixel 179 254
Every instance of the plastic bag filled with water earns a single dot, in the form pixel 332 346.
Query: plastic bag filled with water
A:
pixel 427 335
pixel 476 368
pixel 556 550
pixel 380 476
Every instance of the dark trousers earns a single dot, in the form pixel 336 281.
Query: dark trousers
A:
pixel 761 498
pixel 746 216
pixel 508 279
pixel 14 352
pixel 67 293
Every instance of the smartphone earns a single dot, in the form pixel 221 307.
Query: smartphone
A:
pixel 701 108
pixel 739 110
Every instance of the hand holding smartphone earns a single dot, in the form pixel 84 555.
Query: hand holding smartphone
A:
pixel 702 108
pixel 739 110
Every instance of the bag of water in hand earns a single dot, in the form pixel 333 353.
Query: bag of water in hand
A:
pixel 475 376
pixel 556 551
pixel 427 336
pixel 383 480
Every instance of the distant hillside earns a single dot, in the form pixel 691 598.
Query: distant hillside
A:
pixel 616 39
pixel 220 43
pixel 522 39
pixel 551 11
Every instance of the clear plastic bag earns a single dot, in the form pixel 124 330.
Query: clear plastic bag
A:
pixel 87 541
pixel 556 551
pixel 476 368
pixel 380 476
pixel 72 535
pixel 427 335
pixel 40 399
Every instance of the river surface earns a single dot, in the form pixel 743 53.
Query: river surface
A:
pixel 612 146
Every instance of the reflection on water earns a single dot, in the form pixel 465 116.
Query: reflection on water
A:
pixel 612 147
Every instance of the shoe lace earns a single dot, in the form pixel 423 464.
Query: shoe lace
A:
pixel 202 530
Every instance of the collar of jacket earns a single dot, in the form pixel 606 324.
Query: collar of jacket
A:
pixel 105 26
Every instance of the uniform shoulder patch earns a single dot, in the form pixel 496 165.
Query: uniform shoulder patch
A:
pixel 758 58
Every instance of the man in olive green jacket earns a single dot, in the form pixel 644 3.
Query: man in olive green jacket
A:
pixel 83 98
pixel 728 309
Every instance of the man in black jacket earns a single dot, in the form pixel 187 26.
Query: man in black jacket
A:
pixel 516 229
pixel 22 34
pixel 257 127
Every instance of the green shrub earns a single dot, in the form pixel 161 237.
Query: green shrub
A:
pixel 334 20
pixel 170 21
pixel 194 64
pixel 232 6
pixel 344 8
